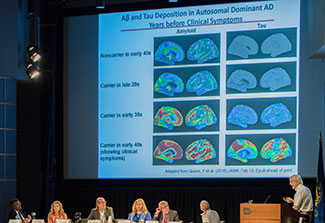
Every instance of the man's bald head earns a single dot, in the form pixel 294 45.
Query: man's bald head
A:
pixel 204 205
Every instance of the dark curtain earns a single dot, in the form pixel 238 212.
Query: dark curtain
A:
pixel 49 14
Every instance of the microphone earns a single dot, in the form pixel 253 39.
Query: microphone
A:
pixel 33 215
pixel 77 217
pixel 267 198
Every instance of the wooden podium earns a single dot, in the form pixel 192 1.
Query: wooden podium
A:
pixel 268 213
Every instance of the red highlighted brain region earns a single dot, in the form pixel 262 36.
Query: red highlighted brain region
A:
pixel 168 151
pixel 168 117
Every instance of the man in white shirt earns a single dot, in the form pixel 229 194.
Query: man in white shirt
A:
pixel 302 200
pixel 208 215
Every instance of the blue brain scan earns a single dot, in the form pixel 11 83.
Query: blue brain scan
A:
pixel 203 50
pixel 241 80
pixel 201 116
pixel 169 52
pixel 168 84
pixel 275 79
pixel 276 45
pixel 276 114
pixel 242 115
pixel 243 46
pixel 201 83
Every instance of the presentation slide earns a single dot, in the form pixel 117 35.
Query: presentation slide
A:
pixel 199 92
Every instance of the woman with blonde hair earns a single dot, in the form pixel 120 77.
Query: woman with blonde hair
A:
pixel 56 212
pixel 139 212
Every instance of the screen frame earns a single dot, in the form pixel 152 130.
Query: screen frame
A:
pixel 141 182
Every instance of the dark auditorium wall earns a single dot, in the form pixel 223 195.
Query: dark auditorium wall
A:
pixel 12 60
pixel 8 154
pixel 225 195
pixel 13 38
pixel 312 84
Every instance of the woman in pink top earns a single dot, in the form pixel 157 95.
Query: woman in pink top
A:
pixel 56 212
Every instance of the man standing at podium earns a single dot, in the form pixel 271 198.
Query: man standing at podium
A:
pixel 302 200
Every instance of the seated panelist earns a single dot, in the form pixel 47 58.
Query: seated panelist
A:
pixel 139 212
pixel 17 213
pixel 101 212
pixel 208 215
pixel 163 214
pixel 56 212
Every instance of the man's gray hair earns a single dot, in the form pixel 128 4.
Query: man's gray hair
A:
pixel 204 201
pixel 162 203
pixel 297 178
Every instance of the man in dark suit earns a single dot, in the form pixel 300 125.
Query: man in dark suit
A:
pixel 163 214
pixel 101 212
pixel 17 213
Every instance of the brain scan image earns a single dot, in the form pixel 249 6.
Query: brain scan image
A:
pixel 276 44
pixel 241 80
pixel 168 117
pixel 203 50
pixel 200 151
pixel 242 115
pixel 169 84
pixel 169 53
pixel 201 83
pixel 242 150
pixel 276 114
pixel 276 149
pixel 243 46
pixel 168 150
pixel 275 79
pixel 200 117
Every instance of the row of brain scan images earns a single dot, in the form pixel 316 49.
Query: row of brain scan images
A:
pixel 198 151
pixel 203 82
pixel 198 117
pixel 202 116
pixel 171 52
pixel 241 45
pixel 242 150
pixel 274 115
pixel 244 46
pixel 274 150
pixel 199 83
pixel 273 79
